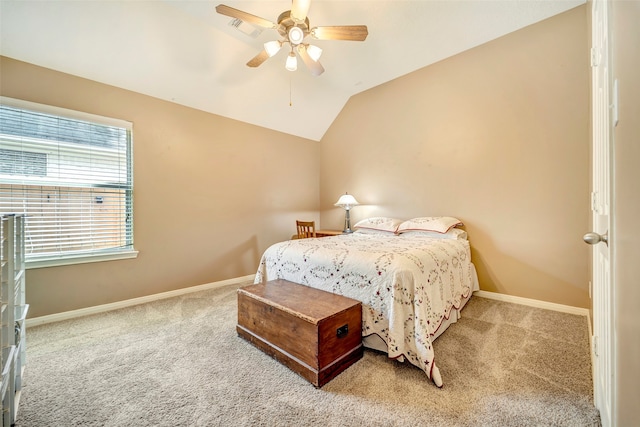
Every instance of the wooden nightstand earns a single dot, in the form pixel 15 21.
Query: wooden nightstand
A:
pixel 322 233
pixel 327 233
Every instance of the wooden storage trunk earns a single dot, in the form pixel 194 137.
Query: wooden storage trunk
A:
pixel 315 333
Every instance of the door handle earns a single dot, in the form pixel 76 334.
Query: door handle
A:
pixel 595 238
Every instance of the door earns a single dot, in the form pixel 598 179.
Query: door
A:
pixel 602 122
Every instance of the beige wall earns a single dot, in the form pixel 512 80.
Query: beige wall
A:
pixel 497 136
pixel 626 197
pixel 210 194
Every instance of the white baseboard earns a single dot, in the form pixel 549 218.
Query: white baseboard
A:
pixel 533 303
pixel 66 315
pixel 141 300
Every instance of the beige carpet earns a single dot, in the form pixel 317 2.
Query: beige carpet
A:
pixel 179 362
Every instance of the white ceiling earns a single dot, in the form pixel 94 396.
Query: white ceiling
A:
pixel 184 52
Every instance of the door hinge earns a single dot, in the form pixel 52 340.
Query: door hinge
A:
pixel 594 57
pixel 595 345
pixel 594 201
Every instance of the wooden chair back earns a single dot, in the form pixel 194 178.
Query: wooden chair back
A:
pixel 306 229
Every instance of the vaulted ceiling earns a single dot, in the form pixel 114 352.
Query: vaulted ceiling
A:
pixel 184 52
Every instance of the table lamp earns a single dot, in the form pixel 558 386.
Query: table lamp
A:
pixel 347 201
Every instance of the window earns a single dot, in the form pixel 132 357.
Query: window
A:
pixel 70 173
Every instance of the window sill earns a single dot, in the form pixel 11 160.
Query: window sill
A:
pixel 80 259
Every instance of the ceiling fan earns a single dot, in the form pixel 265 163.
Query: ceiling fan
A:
pixel 293 26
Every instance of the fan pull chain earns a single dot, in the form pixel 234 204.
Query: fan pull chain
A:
pixel 290 102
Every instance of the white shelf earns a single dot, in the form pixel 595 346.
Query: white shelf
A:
pixel 14 312
pixel 7 360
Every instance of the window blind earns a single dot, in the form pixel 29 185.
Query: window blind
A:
pixel 70 174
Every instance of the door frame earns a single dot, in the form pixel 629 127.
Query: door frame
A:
pixel 604 117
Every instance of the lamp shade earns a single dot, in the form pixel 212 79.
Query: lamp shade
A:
pixel 314 52
pixel 299 9
pixel 272 47
pixel 346 201
pixel 292 62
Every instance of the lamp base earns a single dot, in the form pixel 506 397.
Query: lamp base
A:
pixel 347 223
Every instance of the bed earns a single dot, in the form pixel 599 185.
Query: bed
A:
pixel 413 278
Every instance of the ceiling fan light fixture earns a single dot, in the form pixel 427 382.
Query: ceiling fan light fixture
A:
pixel 292 62
pixel 272 47
pixel 314 52
pixel 296 35
pixel 293 27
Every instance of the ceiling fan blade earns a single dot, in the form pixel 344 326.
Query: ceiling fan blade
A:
pixel 315 67
pixel 257 60
pixel 299 9
pixel 244 16
pixel 341 32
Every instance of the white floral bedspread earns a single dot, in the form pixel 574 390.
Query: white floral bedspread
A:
pixel 409 282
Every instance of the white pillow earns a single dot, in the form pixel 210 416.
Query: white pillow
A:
pixel 373 231
pixel 379 223
pixel 454 233
pixel 440 224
